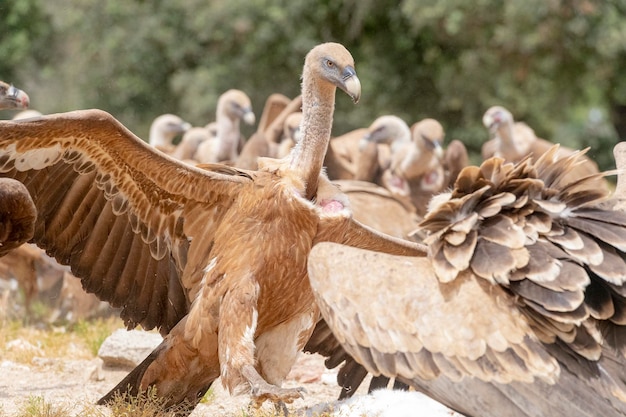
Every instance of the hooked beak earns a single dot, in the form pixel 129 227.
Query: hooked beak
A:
pixel 17 98
pixel 351 84
pixel 491 121
pixel 248 117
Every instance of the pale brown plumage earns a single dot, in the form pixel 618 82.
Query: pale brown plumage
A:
pixel 190 142
pixel 385 134
pixel 21 264
pixel 416 169
pixel 275 104
pixel 356 154
pixel 263 143
pixel 342 155
pixel 291 134
pixel 514 141
pixel 41 278
pixel 164 129
pixel 215 257
pixel 377 208
pixel 516 310
pixel 455 158
pixel 233 106
pixel 27 114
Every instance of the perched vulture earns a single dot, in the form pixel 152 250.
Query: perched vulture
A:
pixel 264 142
pixel 17 210
pixel 416 169
pixel 374 159
pixel 518 309
pixel 356 154
pixel 190 142
pixel 291 134
pixel 164 129
pixel 12 98
pixel 232 107
pixel 342 155
pixel 514 141
pixel 215 258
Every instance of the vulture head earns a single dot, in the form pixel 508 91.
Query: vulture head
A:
pixel 237 106
pixel 165 128
pixel 387 129
pixel 12 98
pixel 291 128
pixel 495 117
pixel 428 135
pixel 335 68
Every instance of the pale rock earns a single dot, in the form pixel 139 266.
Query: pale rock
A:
pixel 384 403
pixel 127 348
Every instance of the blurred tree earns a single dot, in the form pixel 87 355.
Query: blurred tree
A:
pixel 555 64
pixel 25 39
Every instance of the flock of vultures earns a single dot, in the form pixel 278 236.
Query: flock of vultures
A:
pixel 498 290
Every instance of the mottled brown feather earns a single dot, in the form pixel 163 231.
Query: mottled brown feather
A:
pixel 567 283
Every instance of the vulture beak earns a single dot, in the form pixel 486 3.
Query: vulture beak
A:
pixel 351 83
pixel 18 97
pixel 248 116
pixel 438 151
pixel 490 122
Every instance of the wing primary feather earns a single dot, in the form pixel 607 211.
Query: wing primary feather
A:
pixel 109 258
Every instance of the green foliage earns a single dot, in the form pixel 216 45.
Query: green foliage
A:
pixel 554 64
pixel 25 36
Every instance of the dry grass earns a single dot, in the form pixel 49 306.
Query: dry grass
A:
pixel 80 341
pixel 147 405
pixel 36 406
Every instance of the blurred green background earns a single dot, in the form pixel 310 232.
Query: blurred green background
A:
pixel 559 65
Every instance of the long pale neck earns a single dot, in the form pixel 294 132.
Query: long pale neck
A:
pixel 158 138
pixel 318 105
pixel 507 146
pixel 228 132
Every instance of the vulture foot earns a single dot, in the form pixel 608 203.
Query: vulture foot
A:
pixel 261 390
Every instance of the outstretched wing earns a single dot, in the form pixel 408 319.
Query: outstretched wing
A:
pixel 408 324
pixel 521 262
pixel 121 214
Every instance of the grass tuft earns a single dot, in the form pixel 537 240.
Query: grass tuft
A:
pixel 36 406
pixel 146 404
pixel 79 341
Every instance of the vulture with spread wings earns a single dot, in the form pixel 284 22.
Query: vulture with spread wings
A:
pixel 519 309
pixel 215 258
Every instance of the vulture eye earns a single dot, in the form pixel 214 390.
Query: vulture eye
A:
pixel 330 63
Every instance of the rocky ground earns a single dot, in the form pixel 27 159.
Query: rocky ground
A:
pixel 74 385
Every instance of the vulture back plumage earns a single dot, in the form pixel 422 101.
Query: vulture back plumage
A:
pixel 518 309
